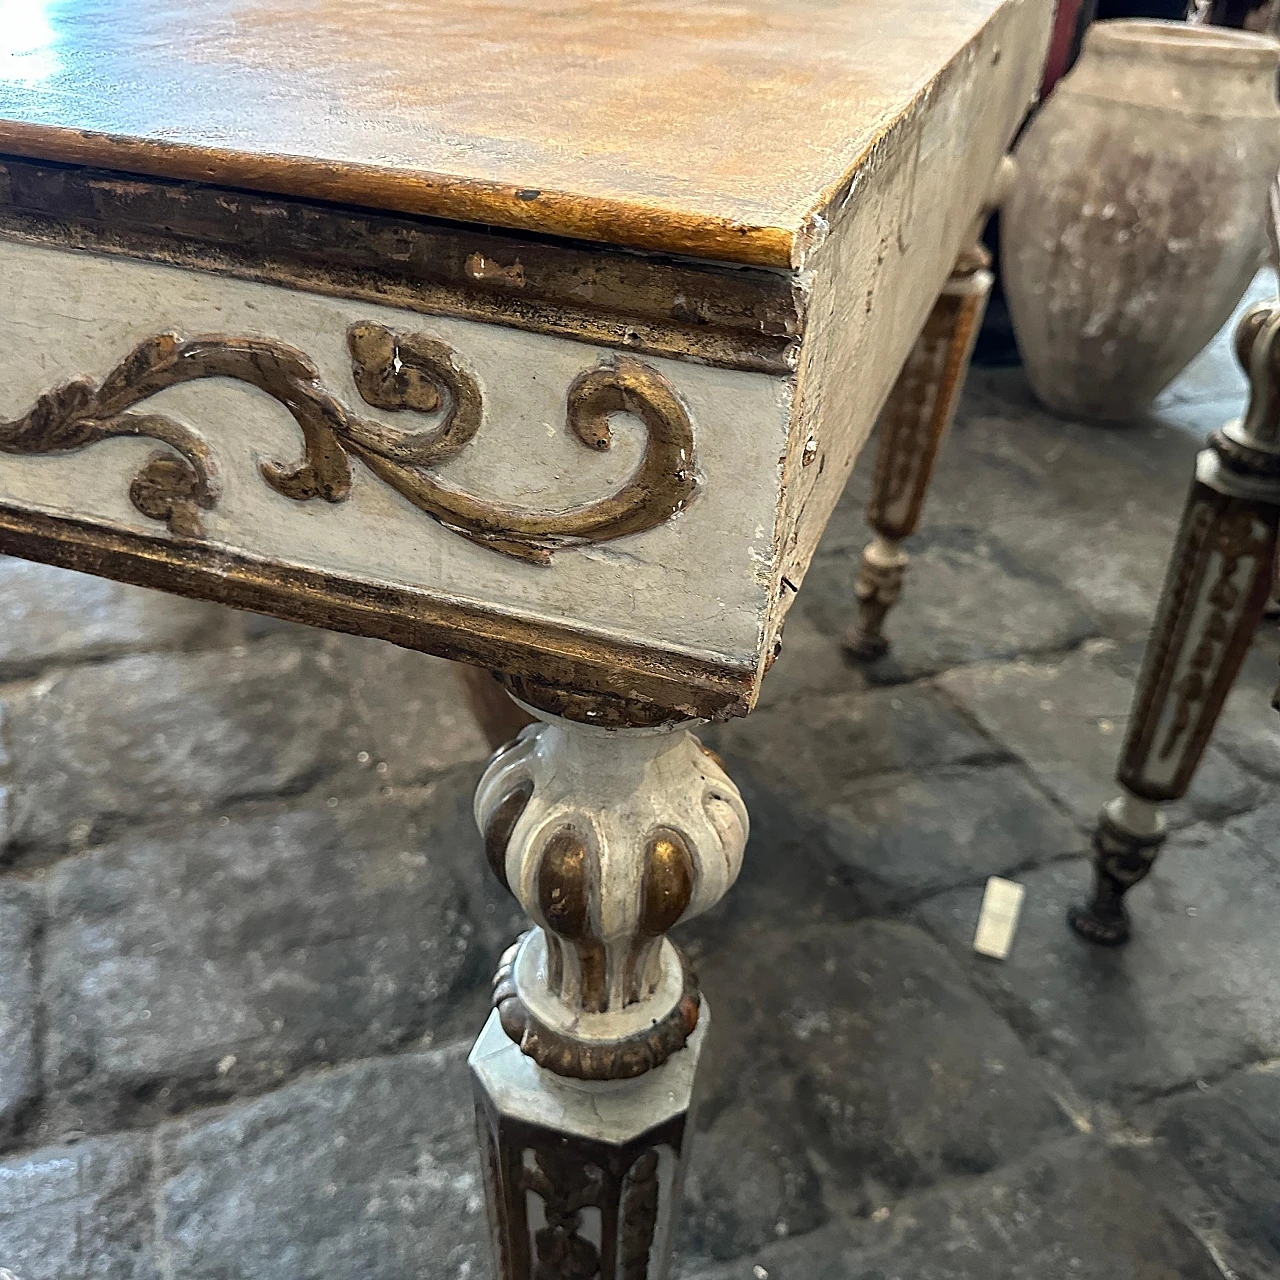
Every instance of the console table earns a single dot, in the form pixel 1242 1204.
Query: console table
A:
pixel 539 335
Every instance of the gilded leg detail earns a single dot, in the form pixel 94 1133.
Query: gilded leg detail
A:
pixel 584 1072
pixel 914 420
pixel 1216 589
pixel 877 588
pixel 1129 835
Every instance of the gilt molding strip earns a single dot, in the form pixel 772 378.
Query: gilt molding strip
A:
pixel 393 372
pixel 533 648
pixel 736 317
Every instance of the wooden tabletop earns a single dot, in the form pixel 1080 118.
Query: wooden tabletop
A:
pixel 721 128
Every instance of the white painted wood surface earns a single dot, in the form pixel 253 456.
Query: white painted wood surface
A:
pixel 891 245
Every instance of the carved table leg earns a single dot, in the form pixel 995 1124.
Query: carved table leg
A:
pixel 915 419
pixel 1214 594
pixel 584 1072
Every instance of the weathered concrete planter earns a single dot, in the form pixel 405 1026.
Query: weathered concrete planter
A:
pixel 1136 222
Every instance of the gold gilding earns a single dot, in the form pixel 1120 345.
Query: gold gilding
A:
pixel 564 900
pixel 497 833
pixel 668 883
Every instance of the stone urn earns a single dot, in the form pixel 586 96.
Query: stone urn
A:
pixel 1137 219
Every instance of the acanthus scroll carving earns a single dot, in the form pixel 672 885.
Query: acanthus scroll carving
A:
pixel 394 372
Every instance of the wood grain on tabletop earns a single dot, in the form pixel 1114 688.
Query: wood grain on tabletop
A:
pixel 691 126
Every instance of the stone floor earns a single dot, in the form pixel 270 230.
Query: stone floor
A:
pixel 246 933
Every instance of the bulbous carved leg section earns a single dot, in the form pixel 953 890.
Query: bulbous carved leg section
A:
pixel 912 425
pixel 584 1073
pixel 609 838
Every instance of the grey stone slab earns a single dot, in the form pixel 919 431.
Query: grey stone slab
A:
pixel 19 1069
pixel 369 1171
pixel 905 836
pixel 880 779
pixel 819 745
pixel 214 959
pixel 753 1176
pixel 413 717
pixel 1069 1211
pixel 1094 509
pixel 811 1256
pixel 1066 720
pixel 159 735
pixel 791 878
pixel 967 598
pixel 1226 1141
pixel 50 615
pixel 751 1179
pixel 81 1212
pixel 1190 416
pixel 1195 992
pixel 1213 383
pixel 860 1051
pixel 1255 830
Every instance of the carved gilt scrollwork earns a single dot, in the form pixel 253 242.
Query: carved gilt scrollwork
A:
pixel 393 372
pixel 572 1182
pixel 1235 538
pixel 640 1216
pixel 567 1186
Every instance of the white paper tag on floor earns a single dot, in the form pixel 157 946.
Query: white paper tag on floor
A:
pixel 1001 906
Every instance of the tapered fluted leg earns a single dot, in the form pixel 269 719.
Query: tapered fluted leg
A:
pixel 1219 578
pixel 584 1073
pixel 914 420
